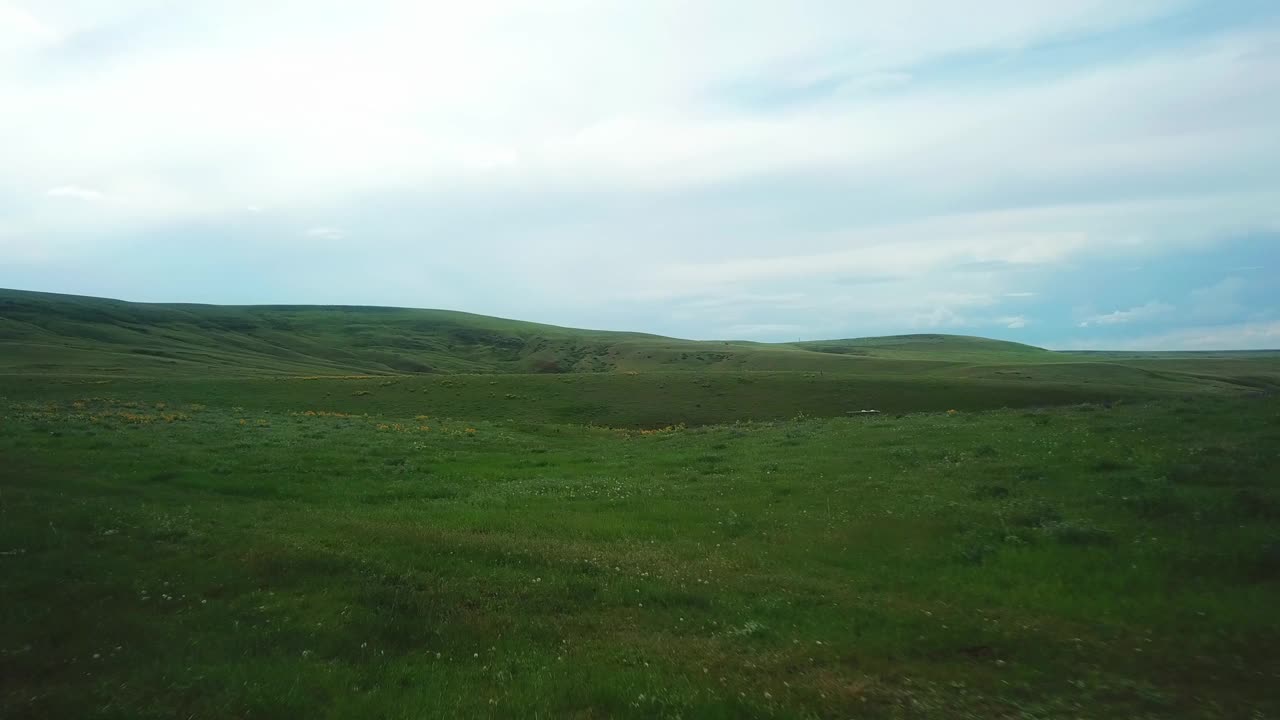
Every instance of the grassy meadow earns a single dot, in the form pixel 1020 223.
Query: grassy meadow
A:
pixel 1016 534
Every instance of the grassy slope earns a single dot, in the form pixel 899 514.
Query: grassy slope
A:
pixel 208 561
pixel 641 400
pixel 68 333
pixel 930 346
pixel 59 335
pixel 63 333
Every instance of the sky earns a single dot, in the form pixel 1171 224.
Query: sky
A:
pixel 1076 174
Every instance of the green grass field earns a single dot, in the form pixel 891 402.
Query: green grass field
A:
pixel 270 521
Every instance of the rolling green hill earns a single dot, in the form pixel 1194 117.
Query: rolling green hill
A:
pixel 68 333
pixel 404 362
pixel 64 333
pixel 931 346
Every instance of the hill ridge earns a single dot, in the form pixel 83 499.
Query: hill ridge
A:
pixel 51 332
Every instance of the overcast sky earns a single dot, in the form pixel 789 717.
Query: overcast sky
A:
pixel 1069 173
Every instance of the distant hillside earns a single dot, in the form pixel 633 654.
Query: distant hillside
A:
pixel 67 333
pixel 43 333
pixel 931 346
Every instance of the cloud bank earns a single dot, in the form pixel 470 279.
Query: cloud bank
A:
pixel 1046 172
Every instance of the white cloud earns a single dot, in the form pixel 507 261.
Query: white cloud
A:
pixel 75 192
pixel 1020 238
pixel 769 330
pixel 21 31
pixel 896 252
pixel 1120 317
pixel 1264 335
pixel 394 95
pixel 1014 322
pixel 325 233
pixel 940 316
pixel 596 148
